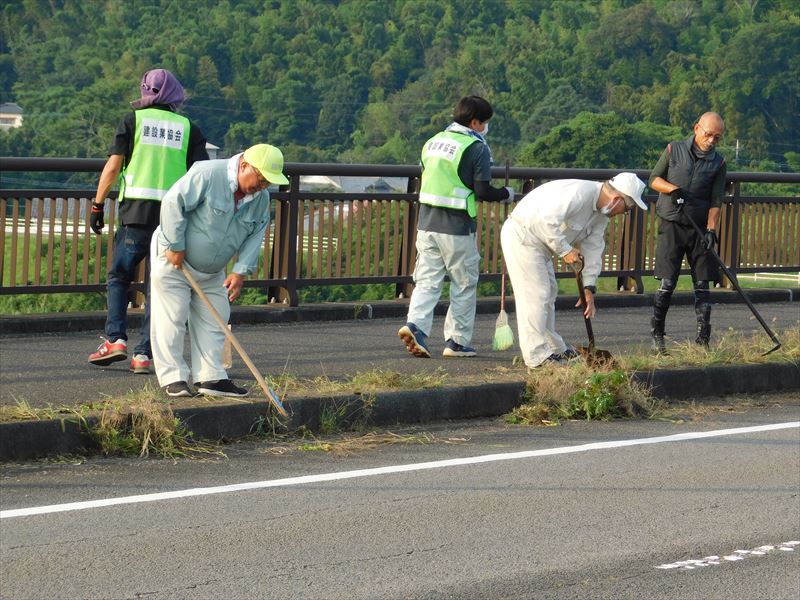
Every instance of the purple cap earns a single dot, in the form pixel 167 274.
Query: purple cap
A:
pixel 159 86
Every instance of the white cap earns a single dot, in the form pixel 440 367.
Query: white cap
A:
pixel 630 185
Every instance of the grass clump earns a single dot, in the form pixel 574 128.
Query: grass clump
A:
pixel 21 410
pixel 143 425
pixel 599 398
pixel 728 347
pixel 379 379
pixel 360 383
pixel 138 424
pixel 558 393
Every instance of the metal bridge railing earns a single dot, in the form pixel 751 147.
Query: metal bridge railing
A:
pixel 330 238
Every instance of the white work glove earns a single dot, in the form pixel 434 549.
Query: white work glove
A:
pixel 510 198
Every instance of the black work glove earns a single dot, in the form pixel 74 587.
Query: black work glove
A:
pixel 710 239
pixel 676 194
pixel 96 218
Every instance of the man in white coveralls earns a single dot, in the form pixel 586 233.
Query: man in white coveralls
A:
pixel 565 218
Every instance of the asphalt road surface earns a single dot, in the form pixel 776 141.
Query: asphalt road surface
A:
pixel 585 510
pixel 54 369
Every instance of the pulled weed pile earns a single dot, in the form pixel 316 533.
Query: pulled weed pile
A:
pixel 557 393
pixel 368 441
pixel 141 425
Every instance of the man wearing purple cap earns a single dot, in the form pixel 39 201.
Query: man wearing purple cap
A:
pixel 152 148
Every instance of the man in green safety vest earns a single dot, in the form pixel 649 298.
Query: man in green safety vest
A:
pixel 153 147
pixel 456 171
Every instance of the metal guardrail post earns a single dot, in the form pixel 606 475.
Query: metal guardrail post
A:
pixel 631 252
pixel 285 246
pixel 291 268
pixel 528 185
pixel 408 252
pixel 733 217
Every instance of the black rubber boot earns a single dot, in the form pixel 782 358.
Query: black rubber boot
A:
pixel 703 334
pixel 661 303
pixel 657 331
pixel 702 308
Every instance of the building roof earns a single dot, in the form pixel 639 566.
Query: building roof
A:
pixel 355 184
pixel 10 108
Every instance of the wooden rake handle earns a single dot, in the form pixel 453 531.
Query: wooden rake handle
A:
pixel 268 391
pixel 582 295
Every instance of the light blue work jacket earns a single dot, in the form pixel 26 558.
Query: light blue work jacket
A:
pixel 198 216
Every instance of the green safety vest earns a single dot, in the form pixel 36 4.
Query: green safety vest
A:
pixel 441 186
pixel 160 146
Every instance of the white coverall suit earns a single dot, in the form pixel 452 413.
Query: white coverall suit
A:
pixel 548 222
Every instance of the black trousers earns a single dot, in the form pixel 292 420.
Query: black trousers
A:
pixel 676 241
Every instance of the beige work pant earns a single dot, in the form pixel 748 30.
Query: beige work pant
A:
pixel 530 267
pixel 173 304
pixel 440 254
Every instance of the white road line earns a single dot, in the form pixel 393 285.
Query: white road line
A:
pixel 437 464
pixel 691 563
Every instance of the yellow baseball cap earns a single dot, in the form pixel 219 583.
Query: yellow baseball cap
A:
pixel 268 160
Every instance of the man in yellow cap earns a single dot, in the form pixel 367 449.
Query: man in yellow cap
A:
pixel 218 210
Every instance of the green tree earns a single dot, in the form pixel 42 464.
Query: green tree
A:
pixel 599 141
pixel 370 80
pixel 757 89
pixel 793 160
pixel 628 46
pixel 560 104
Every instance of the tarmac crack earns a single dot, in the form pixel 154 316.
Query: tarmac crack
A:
pixel 73 541
pixel 192 586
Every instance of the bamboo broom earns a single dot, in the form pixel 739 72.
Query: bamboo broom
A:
pixel 503 334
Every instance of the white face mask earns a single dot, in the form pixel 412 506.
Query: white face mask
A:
pixel 485 129
pixel 606 210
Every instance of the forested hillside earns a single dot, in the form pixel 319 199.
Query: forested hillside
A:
pixel 573 83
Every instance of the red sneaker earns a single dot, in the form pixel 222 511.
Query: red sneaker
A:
pixel 109 352
pixel 140 364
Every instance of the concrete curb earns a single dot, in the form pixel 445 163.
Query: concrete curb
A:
pixel 385 309
pixel 721 380
pixel 32 439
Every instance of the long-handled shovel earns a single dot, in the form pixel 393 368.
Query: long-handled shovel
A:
pixel 729 274
pixel 593 356
pixel 268 391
